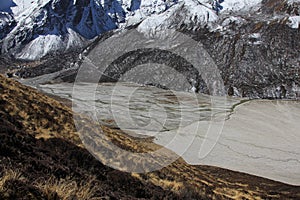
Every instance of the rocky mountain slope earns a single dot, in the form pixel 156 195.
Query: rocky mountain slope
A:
pixel 42 158
pixel 7 23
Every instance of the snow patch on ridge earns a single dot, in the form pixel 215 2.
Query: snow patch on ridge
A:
pixel 294 22
pixel 240 5
pixel 41 46
pixel 25 7
pixel 44 44
pixel 184 13
pixel 293 1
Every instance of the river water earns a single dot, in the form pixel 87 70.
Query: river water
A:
pixel 259 137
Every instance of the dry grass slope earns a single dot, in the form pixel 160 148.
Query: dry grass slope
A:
pixel 42 157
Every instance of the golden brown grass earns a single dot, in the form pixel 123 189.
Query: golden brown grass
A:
pixel 66 188
pixel 54 188
pixel 8 175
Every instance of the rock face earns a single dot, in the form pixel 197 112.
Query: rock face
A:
pixel 258 56
pixel 7 23
pixel 6 5
pixel 260 59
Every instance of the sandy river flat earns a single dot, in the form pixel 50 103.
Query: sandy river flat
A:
pixel 258 137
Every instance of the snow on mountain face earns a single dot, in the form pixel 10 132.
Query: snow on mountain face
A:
pixel 25 5
pixel 45 26
pixel 240 5
pixel 294 22
pixel 54 23
pixel 293 1
pixel 194 14
pixel 191 14
pixel 51 25
pixel 138 10
pixel 63 24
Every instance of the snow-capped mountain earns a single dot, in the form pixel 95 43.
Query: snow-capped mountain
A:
pixel 55 25
pixel 58 25
pixel 31 29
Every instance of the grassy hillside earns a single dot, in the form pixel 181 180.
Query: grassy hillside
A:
pixel 42 157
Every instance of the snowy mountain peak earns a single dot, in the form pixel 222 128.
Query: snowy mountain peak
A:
pixel 31 29
pixel 51 25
